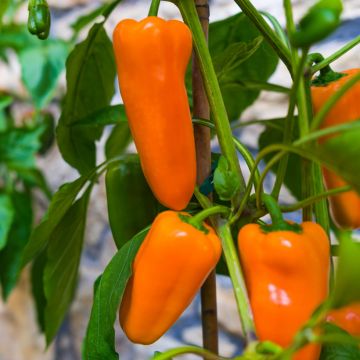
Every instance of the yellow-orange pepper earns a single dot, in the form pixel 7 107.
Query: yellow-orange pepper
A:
pixel 171 265
pixel 286 274
pixel 345 207
pixel 152 57
pixel 348 318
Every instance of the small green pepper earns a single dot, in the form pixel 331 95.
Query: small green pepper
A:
pixel 39 18
pixel 131 204
pixel 320 21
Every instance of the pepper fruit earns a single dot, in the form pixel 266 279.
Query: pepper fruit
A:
pixel 131 204
pixel 286 270
pixel 171 265
pixel 345 207
pixel 320 21
pixel 152 57
pixel 348 318
pixel 39 18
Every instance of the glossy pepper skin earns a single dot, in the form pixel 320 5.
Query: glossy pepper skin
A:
pixel 39 18
pixel 287 278
pixel 171 265
pixel 348 318
pixel 345 207
pixel 152 56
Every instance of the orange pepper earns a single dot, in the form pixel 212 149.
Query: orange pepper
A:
pixel 348 318
pixel 286 270
pixel 152 57
pixel 345 207
pixel 171 265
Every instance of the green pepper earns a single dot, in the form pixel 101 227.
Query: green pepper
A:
pixel 131 204
pixel 39 18
pixel 320 21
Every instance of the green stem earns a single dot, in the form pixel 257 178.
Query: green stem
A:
pixel 320 116
pixel 201 216
pixel 154 8
pixel 237 278
pixel 275 42
pixel 277 219
pixel 277 27
pixel 250 162
pixel 335 55
pixel 289 126
pixel 241 148
pixel 170 354
pixel 271 123
pixel 217 106
pixel 328 131
pixel 274 210
pixel 313 199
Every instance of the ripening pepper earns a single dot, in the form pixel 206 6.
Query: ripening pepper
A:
pixel 286 270
pixel 171 265
pixel 345 207
pixel 348 318
pixel 152 57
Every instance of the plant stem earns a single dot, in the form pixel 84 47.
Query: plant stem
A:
pixel 170 354
pixel 335 55
pixel 328 131
pixel 154 8
pixel 289 126
pixel 277 27
pixel 233 264
pixel 242 149
pixel 320 116
pixel 217 106
pixel 275 42
pixel 273 209
pixel 204 214
pixel 313 199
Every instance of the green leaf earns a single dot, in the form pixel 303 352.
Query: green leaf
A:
pixel 110 115
pixel 347 289
pixel 232 57
pixel 226 182
pixel 60 204
pixel 274 134
pixel 16 37
pixel 90 74
pixel 84 20
pixel 6 217
pixel 37 287
pixel 61 269
pixel 41 67
pixel 34 177
pixel 3 7
pixel 18 147
pixel 118 140
pixel 255 63
pixel 127 193
pixel 5 101
pixel 100 335
pixel 338 345
pixel 11 254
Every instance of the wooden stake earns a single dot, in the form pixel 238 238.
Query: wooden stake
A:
pixel 203 156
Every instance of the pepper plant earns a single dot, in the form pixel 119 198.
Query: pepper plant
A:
pixel 286 289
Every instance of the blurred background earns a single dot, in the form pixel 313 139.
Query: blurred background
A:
pixel 20 338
